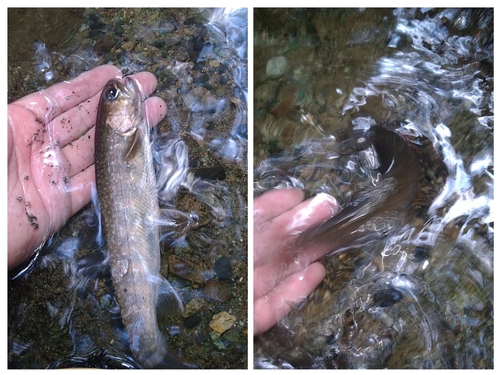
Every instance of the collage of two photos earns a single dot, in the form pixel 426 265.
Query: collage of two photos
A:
pixel 250 188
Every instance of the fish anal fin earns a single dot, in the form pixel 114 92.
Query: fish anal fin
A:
pixel 168 303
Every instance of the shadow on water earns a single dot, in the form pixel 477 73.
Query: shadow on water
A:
pixel 414 289
pixel 61 309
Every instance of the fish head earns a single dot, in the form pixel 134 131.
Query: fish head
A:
pixel 121 105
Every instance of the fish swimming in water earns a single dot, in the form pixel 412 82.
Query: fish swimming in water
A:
pixel 128 199
pixel 381 207
pixel 336 326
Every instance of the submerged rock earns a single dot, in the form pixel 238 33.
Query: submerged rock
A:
pixel 222 321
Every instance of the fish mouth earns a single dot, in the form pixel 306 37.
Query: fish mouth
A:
pixel 130 88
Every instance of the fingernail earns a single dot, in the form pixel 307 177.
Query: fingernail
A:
pixel 301 219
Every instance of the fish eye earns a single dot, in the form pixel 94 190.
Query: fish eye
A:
pixel 111 94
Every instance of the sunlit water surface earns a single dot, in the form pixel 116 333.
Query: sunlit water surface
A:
pixel 421 297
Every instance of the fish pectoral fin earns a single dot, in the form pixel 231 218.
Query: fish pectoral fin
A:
pixel 136 144
pixel 169 303
pixel 174 224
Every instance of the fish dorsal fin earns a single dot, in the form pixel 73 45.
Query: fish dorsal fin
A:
pixel 169 303
pixel 136 144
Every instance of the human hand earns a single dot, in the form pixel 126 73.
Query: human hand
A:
pixel 51 155
pixel 284 275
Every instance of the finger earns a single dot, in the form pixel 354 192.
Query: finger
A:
pixel 312 212
pixel 275 202
pixel 147 83
pixel 80 187
pixel 155 109
pixel 57 99
pixel 271 308
pixel 289 262
pixel 80 153
pixel 274 239
pixel 303 216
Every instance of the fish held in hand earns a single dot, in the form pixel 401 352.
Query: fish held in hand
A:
pixel 128 199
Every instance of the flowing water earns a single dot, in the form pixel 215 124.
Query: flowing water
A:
pixel 62 312
pixel 419 295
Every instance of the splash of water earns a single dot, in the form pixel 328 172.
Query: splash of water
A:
pixel 419 298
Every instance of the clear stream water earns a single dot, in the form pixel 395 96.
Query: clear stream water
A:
pixel 62 312
pixel 421 297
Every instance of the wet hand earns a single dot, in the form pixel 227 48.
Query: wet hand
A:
pixel 51 155
pixel 283 275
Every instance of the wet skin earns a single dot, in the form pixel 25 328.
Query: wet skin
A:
pixel 41 198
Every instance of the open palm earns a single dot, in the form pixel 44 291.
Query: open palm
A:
pixel 51 155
